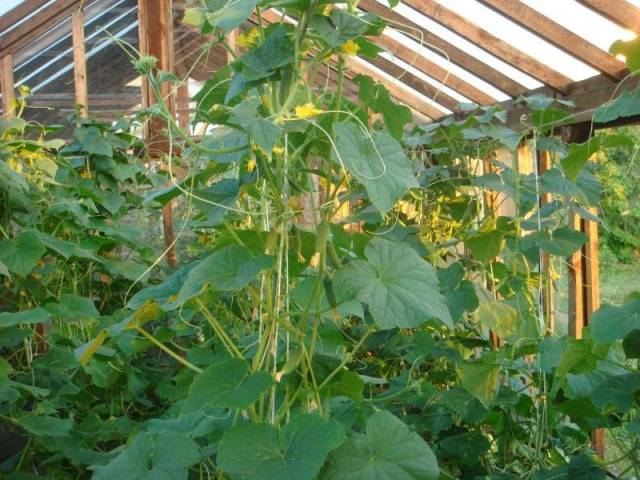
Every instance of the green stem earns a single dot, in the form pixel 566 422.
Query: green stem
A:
pixel 167 350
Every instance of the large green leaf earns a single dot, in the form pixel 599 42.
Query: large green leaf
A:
pixel 166 456
pixel 73 307
pixel 229 269
pixel 47 426
pixel 276 51
pixel 498 317
pixel 626 105
pixel 378 99
pixel 378 162
pixel 229 14
pixel 93 141
pixel 618 391
pixel 163 294
pixel 28 317
pixel 561 241
pixel 295 452
pixel 227 384
pixel 22 254
pixel 400 288
pixel 481 378
pixel 341 26
pixel 387 450
pixel 612 323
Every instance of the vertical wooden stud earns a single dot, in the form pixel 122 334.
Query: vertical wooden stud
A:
pixel 7 85
pixel 155 28
pixel 79 62
pixel 543 163
pixel 584 278
pixel 232 41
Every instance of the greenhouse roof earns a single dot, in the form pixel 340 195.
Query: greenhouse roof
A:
pixel 439 53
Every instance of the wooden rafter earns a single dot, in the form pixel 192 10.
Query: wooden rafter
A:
pixel 419 85
pixel 19 12
pixel 79 62
pixel 7 84
pixel 397 91
pixel 490 43
pixel 17 38
pixel 621 12
pixel 455 55
pixel 559 36
pixel 434 70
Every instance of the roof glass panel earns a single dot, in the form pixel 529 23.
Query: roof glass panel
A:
pixel 469 47
pixel 583 21
pixel 520 38
pixel 445 63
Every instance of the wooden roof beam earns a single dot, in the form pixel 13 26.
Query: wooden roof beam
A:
pixel 621 12
pixel 37 25
pixel 456 55
pixel 434 70
pixel 411 80
pixel 19 12
pixel 490 43
pixel 561 37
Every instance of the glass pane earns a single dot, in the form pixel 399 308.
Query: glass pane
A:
pixel 111 35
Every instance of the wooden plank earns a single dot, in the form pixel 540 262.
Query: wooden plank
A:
pixel 490 43
pixel 232 42
pixel 434 70
pixel 576 290
pixel 402 95
pixel 587 95
pixel 8 85
pixel 19 12
pixel 416 83
pixel 622 12
pixel 592 267
pixel 559 36
pixel 156 39
pixel 543 164
pixel 79 62
pixel 14 40
pixel 439 45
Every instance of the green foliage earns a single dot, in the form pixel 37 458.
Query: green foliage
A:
pixel 296 338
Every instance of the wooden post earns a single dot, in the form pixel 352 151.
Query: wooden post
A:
pixel 543 163
pixel 7 85
pixel 79 62
pixel 584 277
pixel 232 41
pixel 156 39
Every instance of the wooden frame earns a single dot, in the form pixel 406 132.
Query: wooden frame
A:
pixel 491 43
pixel 156 39
pixel 559 36
pixel 621 12
pixel 7 85
pixel 79 62
pixel 456 55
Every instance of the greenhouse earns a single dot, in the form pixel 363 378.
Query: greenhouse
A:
pixel 319 239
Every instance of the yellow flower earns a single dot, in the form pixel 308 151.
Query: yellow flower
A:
pixel 251 165
pixel 278 150
pixel 307 110
pixel 350 48
pixel 249 38
pixel 265 101
pixel 327 10
pixel 24 90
